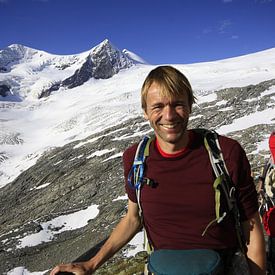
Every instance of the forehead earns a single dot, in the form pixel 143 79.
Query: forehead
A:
pixel 157 93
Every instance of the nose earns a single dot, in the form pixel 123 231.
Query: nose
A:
pixel 169 112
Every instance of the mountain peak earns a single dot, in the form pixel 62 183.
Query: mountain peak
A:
pixel 13 53
pixel 105 45
pixel 103 62
pixel 134 57
pixel 17 47
pixel 106 42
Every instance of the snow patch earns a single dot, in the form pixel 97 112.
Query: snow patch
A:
pixel 58 225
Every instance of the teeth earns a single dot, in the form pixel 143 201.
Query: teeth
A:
pixel 169 126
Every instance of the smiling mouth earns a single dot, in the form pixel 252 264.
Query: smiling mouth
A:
pixel 169 126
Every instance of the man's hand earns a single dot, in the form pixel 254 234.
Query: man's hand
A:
pixel 75 268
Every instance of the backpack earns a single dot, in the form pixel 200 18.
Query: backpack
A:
pixel 223 185
pixel 269 179
pixel 267 211
pixel 267 208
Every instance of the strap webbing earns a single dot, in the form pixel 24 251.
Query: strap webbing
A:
pixel 136 174
pixel 222 183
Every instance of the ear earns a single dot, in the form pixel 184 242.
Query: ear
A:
pixel 145 115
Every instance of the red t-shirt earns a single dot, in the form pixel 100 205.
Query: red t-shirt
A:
pixel 182 202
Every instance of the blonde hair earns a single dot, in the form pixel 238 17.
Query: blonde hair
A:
pixel 172 84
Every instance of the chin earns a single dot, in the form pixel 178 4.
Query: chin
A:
pixel 173 139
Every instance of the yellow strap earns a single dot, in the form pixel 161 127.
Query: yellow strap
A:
pixel 206 145
pixel 216 183
pixel 218 218
pixel 147 147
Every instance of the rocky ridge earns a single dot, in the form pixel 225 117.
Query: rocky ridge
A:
pixel 103 62
pixel 73 177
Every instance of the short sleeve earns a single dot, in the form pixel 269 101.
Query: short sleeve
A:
pixel 240 171
pixel 128 158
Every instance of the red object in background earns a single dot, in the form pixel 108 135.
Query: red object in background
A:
pixel 269 221
pixel 272 145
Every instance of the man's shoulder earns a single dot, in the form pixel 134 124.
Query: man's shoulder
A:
pixel 227 139
pixel 227 143
pixel 129 153
pixel 200 132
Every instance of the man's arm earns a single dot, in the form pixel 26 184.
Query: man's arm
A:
pixel 256 253
pixel 121 235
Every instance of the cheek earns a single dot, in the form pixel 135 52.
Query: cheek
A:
pixel 150 114
pixel 153 118
pixel 184 113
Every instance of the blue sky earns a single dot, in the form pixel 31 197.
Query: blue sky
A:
pixel 160 31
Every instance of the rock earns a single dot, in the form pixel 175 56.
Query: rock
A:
pixel 48 92
pixel 4 90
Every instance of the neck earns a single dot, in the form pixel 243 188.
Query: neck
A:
pixel 173 148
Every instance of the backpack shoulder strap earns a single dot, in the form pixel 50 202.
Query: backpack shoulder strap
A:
pixel 136 175
pixel 212 145
pixel 136 179
pixel 223 183
pixel 265 169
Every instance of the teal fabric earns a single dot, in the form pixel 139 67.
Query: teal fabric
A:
pixel 184 262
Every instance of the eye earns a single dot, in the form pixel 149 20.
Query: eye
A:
pixel 157 107
pixel 180 105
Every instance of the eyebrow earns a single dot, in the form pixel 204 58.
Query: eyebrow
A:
pixel 157 104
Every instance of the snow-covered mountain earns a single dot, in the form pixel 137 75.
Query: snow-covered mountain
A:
pixel 65 121
pixel 27 72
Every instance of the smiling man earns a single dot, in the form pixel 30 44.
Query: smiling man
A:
pixel 179 209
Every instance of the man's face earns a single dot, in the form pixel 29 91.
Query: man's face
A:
pixel 168 118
